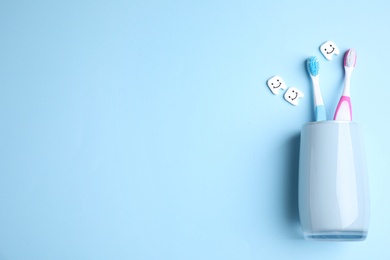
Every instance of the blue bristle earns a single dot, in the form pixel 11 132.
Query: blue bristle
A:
pixel 313 66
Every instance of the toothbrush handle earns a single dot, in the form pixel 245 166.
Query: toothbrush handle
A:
pixel 320 113
pixel 344 109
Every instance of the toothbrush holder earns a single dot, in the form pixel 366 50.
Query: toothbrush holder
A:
pixel 333 182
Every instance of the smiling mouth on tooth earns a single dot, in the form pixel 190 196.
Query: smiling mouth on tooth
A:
pixel 280 83
pixel 331 51
pixel 296 95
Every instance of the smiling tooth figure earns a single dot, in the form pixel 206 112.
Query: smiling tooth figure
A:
pixel 276 83
pixel 292 95
pixel 328 49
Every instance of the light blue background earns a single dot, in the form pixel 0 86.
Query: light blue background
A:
pixel 145 129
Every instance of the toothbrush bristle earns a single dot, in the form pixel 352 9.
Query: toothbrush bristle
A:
pixel 313 66
pixel 350 58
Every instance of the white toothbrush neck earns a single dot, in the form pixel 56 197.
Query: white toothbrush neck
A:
pixel 347 82
pixel 316 90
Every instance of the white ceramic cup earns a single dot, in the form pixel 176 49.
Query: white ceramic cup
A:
pixel 333 183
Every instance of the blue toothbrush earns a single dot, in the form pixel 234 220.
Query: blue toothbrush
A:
pixel 313 67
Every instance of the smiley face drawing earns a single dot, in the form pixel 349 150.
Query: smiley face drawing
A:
pixel 275 83
pixel 328 49
pixel 292 95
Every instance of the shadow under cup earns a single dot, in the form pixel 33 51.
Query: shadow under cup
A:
pixel 333 183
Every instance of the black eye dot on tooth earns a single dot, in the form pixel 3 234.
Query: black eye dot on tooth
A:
pixel 289 97
pixel 293 90
pixel 325 49
pixel 330 45
pixel 272 83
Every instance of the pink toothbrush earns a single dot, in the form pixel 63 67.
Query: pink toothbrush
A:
pixel 344 108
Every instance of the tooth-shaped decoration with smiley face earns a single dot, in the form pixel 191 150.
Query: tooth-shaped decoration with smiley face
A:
pixel 276 83
pixel 328 49
pixel 292 95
